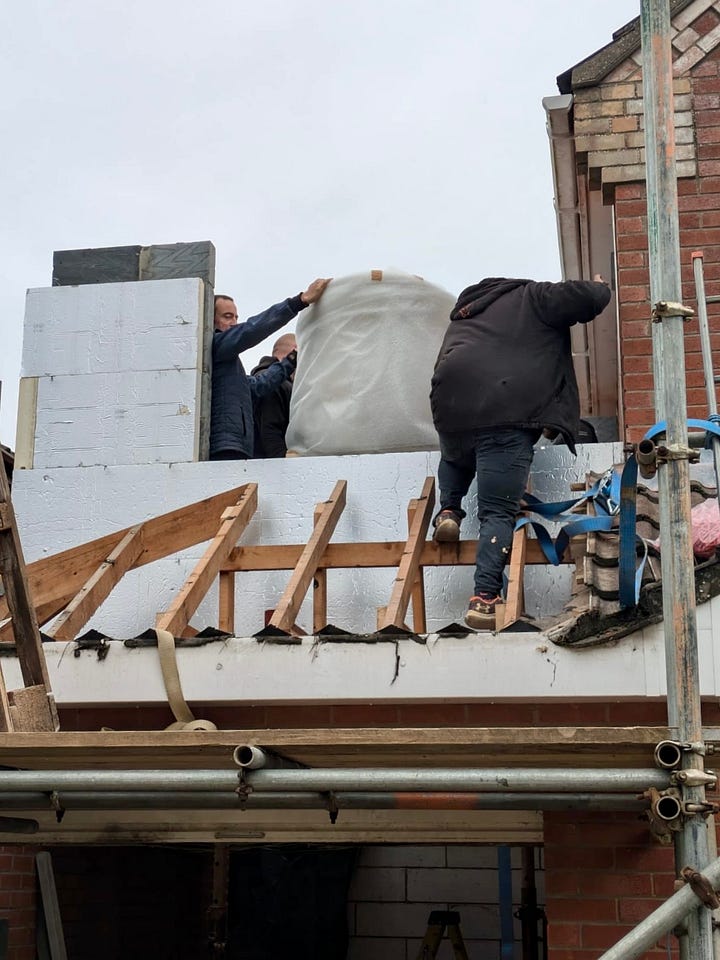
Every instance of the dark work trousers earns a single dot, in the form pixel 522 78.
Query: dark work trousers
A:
pixel 501 462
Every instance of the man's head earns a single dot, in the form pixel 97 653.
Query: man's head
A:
pixel 284 345
pixel 225 312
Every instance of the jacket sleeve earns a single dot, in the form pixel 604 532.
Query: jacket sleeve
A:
pixel 263 384
pixel 228 344
pixel 272 414
pixel 564 304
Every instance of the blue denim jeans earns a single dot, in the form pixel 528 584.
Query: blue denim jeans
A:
pixel 501 462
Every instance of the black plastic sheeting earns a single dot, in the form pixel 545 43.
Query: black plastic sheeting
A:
pixel 289 901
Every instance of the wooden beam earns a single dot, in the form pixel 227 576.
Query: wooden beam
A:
pixel 226 592
pixel 325 522
pixel 384 553
pixel 50 906
pixel 98 587
pixel 7 724
pixel 320 617
pixel 418 591
pixel 54 581
pixel 409 567
pixel 514 605
pixel 19 603
pixel 234 520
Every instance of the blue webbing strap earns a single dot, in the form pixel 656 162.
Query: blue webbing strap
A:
pixel 614 494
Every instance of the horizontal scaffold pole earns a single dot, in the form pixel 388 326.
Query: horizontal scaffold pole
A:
pixel 506 780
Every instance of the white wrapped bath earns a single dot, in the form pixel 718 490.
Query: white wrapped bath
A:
pixel 366 353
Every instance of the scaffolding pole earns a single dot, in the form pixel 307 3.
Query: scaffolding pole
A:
pixel 679 619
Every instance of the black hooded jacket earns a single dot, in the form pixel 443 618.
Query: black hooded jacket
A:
pixel 271 414
pixel 506 360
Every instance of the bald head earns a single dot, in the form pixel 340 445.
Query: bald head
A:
pixel 284 345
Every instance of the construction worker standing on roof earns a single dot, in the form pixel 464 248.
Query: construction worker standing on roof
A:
pixel 232 425
pixel 503 376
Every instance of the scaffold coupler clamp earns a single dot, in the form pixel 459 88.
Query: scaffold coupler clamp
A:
pixel 664 309
pixel 665 452
pixel 695 778
pixel 57 806
pixel 332 805
pixel 243 789
pixel 701 887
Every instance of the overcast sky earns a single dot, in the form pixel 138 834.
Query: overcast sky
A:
pixel 303 137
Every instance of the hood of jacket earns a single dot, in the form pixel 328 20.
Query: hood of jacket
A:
pixel 480 296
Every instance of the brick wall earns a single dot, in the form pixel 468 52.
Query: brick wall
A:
pixel 603 874
pixel 18 887
pixel 699 213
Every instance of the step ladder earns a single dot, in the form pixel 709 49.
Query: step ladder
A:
pixel 438 922
pixel 33 706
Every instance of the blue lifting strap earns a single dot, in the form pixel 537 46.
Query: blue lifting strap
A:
pixel 613 495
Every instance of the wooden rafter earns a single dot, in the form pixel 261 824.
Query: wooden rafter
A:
pixel 54 581
pixel 409 567
pixel 98 587
pixel 234 520
pixel 326 519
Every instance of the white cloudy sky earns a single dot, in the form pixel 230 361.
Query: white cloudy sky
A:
pixel 303 137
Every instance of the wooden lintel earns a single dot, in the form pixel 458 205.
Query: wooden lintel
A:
pixel 326 519
pixel 54 580
pixel 409 567
pixel 98 587
pixel 234 520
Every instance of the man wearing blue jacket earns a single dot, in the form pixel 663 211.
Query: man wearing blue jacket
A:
pixel 504 375
pixel 231 417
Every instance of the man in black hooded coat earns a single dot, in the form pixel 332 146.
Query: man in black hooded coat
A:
pixel 504 375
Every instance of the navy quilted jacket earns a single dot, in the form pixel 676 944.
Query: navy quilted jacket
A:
pixel 231 419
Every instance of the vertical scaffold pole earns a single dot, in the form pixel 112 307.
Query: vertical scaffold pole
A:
pixel 671 405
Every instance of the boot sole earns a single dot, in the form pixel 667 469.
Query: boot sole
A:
pixel 447 531
pixel 480 621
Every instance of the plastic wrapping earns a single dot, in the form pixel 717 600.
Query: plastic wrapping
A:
pixel 366 353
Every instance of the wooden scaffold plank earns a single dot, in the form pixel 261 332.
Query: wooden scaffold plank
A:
pixel 234 520
pixel 98 587
pixel 326 518
pixel 409 568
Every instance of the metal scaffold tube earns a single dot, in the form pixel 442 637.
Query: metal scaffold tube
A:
pixel 294 800
pixel 646 934
pixel 452 780
pixel 679 618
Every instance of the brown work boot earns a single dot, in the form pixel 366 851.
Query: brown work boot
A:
pixel 481 612
pixel 447 527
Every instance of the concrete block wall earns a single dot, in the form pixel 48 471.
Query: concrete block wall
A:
pixel 111 374
pixel 395 888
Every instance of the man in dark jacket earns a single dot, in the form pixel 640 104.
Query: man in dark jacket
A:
pixel 504 375
pixel 272 411
pixel 231 416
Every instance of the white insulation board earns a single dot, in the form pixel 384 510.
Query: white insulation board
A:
pixel 61 508
pixel 118 371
